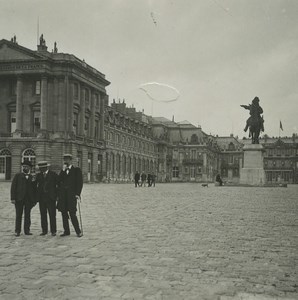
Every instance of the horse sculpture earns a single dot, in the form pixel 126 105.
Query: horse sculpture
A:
pixel 255 123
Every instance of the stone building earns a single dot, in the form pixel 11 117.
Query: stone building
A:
pixel 130 145
pixel 185 152
pixel 281 159
pixel 50 103
pixel 230 158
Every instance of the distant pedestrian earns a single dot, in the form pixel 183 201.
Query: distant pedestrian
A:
pixel 137 178
pixel 70 187
pixel 22 194
pixel 47 191
pixel 149 179
pixel 143 179
pixel 153 177
pixel 218 179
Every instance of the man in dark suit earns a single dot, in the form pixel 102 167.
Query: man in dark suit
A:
pixel 137 178
pixel 22 195
pixel 47 189
pixel 70 187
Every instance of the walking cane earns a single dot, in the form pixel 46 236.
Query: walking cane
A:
pixel 79 200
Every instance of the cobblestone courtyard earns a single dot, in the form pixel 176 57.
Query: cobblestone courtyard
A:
pixel 174 241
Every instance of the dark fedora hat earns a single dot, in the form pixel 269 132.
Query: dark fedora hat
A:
pixel 67 155
pixel 42 164
pixel 27 163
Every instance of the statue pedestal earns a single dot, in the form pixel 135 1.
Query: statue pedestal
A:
pixel 253 172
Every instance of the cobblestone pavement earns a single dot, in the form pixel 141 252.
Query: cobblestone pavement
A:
pixel 174 241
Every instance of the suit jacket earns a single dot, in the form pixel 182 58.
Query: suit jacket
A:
pixel 47 187
pixel 70 186
pixel 20 187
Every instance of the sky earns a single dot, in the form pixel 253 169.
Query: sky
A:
pixel 195 60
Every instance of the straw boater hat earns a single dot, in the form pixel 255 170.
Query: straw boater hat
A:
pixel 43 164
pixel 67 155
pixel 27 163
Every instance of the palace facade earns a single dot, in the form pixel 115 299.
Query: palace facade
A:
pixel 53 103
pixel 50 104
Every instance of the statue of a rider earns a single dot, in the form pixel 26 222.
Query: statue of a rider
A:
pixel 255 122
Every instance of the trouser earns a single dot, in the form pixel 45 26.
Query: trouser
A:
pixel 136 183
pixel 20 207
pixel 44 208
pixel 74 221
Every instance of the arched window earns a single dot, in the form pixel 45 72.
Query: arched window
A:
pixel 29 155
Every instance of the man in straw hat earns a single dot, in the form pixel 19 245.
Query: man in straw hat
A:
pixel 22 194
pixel 47 191
pixel 70 187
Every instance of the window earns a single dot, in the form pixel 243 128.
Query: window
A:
pixel 36 121
pixel 193 154
pixel 13 122
pixel 270 152
pixel 75 123
pixel 192 172
pixel 175 172
pixel 37 87
pixel 29 155
pixel 86 127
pixel 96 129
pixel 231 159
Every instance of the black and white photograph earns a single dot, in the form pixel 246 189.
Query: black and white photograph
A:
pixel 149 149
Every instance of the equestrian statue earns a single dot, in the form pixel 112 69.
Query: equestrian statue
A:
pixel 255 123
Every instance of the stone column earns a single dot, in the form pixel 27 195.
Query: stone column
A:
pixel 70 96
pixel 19 105
pixel 82 111
pixel 55 103
pixel 102 117
pixel 92 118
pixel 61 106
pixel 43 103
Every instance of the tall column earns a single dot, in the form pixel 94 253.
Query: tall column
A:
pixel 102 116
pixel 55 103
pixel 82 112
pixel 61 105
pixel 70 107
pixel 19 105
pixel 43 103
pixel 92 119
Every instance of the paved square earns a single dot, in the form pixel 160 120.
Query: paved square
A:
pixel 174 241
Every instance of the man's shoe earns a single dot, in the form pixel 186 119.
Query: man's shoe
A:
pixel 80 234
pixel 17 234
pixel 53 233
pixel 28 233
pixel 44 233
pixel 64 234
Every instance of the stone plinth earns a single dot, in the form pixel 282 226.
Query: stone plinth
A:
pixel 253 172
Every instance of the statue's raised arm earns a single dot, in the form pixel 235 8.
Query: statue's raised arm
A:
pixel 255 122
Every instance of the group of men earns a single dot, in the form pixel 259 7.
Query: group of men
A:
pixel 51 191
pixel 140 179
